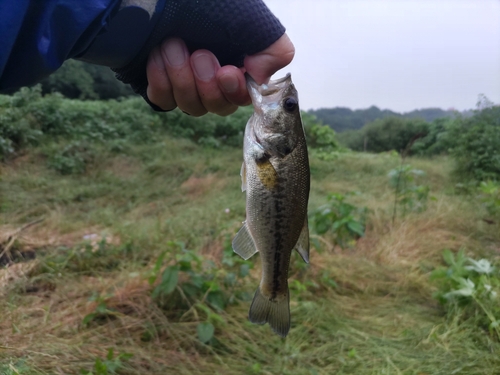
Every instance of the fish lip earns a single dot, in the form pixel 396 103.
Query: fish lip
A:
pixel 258 91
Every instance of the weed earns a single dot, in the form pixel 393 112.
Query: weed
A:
pixel 409 194
pixel 344 220
pixel 196 283
pixel 489 195
pixel 73 158
pixel 470 286
pixel 109 365
pixel 101 310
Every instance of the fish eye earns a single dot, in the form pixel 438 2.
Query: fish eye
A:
pixel 290 104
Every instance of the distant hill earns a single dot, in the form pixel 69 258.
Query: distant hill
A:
pixel 341 119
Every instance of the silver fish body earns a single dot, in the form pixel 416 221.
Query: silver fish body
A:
pixel 275 175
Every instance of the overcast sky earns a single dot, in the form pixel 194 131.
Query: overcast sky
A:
pixel 395 54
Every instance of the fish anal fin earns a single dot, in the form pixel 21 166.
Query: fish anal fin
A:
pixel 243 244
pixel 275 312
pixel 302 245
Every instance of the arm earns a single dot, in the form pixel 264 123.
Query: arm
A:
pixel 37 36
pixel 124 35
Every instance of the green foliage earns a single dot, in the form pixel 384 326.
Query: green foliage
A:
pixel 210 130
pixel 101 310
pixel 191 280
pixel 69 129
pixel 18 125
pixel 469 288
pixel 409 193
pixel 17 367
pixel 344 119
pixel 321 139
pixel 345 221
pixel 476 147
pixel 86 258
pixel 205 331
pixel 109 365
pixel 438 140
pixel 73 158
pixel 79 80
pixel 392 133
pixel 489 195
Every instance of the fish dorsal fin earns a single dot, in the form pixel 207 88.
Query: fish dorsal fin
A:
pixel 302 245
pixel 243 244
pixel 243 174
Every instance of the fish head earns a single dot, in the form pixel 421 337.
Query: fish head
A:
pixel 276 120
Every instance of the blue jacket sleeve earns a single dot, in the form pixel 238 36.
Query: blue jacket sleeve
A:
pixel 37 36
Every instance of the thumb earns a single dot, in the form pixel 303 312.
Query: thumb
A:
pixel 264 64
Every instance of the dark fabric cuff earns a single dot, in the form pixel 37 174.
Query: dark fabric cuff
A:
pixel 231 29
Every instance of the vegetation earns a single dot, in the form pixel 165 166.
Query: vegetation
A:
pixel 343 119
pixel 78 80
pixel 115 251
pixel 389 134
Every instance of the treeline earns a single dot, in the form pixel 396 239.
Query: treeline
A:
pixel 79 80
pixel 473 141
pixel 343 119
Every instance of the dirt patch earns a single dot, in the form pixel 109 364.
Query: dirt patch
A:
pixel 198 186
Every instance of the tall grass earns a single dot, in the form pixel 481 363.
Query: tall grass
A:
pixel 367 309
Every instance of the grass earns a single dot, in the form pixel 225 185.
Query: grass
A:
pixel 364 310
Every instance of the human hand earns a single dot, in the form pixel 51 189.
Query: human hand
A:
pixel 197 84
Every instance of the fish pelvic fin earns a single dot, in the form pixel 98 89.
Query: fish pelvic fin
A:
pixel 302 245
pixel 276 313
pixel 243 244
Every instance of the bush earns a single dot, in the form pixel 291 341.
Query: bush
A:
pixel 79 80
pixel 345 221
pixel 438 140
pixel 476 148
pixel 392 133
pixel 469 289
pixel 18 124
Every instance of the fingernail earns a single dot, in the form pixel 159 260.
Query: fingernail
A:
pixel 174 52
pixel 204 67
pixel 229 83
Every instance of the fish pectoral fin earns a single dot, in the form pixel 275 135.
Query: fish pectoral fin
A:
pixel 275 312
pixel 302 245
pixel 243 244
pixel 243 174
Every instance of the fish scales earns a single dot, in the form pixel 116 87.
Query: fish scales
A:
pixel 276 178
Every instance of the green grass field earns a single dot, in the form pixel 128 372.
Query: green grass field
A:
pixel 82 281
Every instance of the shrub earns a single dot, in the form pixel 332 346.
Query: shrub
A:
pixel 469 288
pixel 18 124
pixel 409 193
pixel 476 148
pixel 392 133
pixel 345 221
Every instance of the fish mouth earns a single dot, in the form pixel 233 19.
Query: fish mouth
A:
pixel 267 94
pixel 258 91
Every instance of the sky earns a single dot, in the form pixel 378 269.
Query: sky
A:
pixel 396 54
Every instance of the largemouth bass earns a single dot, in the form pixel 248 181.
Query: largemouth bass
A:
pixel 275 175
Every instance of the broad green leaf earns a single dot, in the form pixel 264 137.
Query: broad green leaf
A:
pixel 448 257
pixel 356 227
pixel 169 280
pixel 205 331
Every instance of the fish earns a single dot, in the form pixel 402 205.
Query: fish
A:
pixel 276 178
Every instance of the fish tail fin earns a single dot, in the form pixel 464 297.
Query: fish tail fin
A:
pixel 276 313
